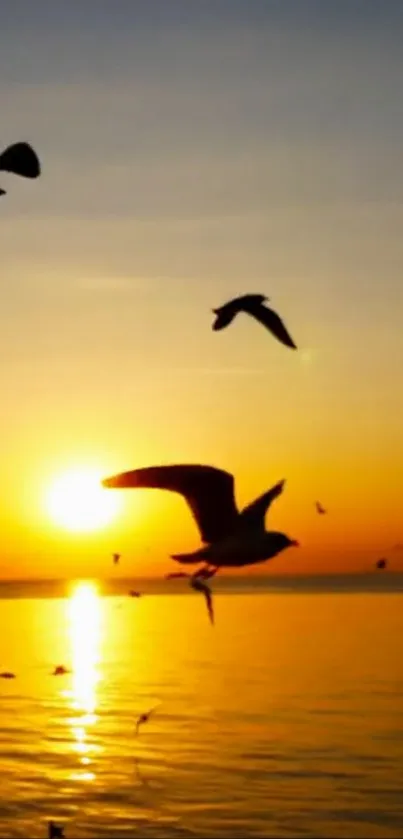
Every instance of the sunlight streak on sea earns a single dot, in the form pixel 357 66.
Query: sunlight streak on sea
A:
pixel 283 720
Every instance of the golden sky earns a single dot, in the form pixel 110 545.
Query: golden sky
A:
pixel 189 156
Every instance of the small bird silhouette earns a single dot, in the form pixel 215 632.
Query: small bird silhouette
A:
pixel 20 159
pixel 134 593
pixel 382 563
pixel 144 718
pixel 198 585
pixel 116 558
pixel 253 304
pixel 319 509
pixel 60 670
pixel 7 675
pixel 55 831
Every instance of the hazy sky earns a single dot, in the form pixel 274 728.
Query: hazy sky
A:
pixel 192 152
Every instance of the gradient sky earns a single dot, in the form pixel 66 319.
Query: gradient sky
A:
pixel 192 152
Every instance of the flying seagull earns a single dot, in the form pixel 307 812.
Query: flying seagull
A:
pixel 319 509
pixel 231 538
pixel 60 670
pixel 116 558
pixel 382 563
pixel 134 593
pixel 55 831
pixel 197 583
pixel 253 304
pixel 144 718
pixel 7 675
pixel 20 159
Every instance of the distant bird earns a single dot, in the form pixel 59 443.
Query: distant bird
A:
pixel 55 831
pixel 20 159
pixel 60 670
pixel 382 563
pixel 253 304
pixel 319 509
pixel 134 593
pixel 232 538
pixel 199 585
pixel 116 558
pixel 7 675
pixel 144 718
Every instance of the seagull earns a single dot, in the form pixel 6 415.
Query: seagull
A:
pixel 199 585
pixel 134 593
pixel 7 675
pixel 231 538
pixel 253 304
pixel 20 159
pixel 55 831
pixel 319 509
pixel 116 558
pixel 144 718
pixel 60 670
pixel 382 563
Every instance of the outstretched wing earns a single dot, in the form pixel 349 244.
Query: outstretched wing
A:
pixel 270 319
pixel 20 159
pixel 254 514
pixel 208 491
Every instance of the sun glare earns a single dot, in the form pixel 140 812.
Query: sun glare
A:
pixel 85 620
pixel 78 502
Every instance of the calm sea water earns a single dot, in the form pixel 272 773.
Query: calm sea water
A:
pixel 284 720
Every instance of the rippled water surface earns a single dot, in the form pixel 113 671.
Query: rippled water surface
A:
pixel 283 720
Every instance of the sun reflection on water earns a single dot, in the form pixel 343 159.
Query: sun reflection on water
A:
pixel 85 624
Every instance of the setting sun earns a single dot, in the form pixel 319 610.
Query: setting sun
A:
pixel 77 501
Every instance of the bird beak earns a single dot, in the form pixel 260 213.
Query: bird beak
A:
pixel 295 543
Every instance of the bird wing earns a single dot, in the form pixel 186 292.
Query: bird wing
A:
pixel 20 159
pixel 209 493
pixel 270 319
pixel 253 515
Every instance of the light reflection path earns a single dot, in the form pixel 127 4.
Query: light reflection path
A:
pixel 85 627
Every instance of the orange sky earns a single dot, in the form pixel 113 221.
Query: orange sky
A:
pixel 247 150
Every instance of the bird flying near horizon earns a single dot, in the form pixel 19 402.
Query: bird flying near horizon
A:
pixel 254 305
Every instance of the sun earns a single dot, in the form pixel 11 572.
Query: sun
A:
pixel 77 501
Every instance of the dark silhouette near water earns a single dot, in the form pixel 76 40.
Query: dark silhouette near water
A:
pixel 133 593
pixel 20 159
pixel 382 563
pixel 7 675
pixel 55 831
pixel 233 539
pixel 319 509
pixel 253 304
pixel 60 670
pixel 199 585
pixel 143 718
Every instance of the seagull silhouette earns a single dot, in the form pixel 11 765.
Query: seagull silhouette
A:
pixel 145 717
pixel 134 593
pixel 231 538
pixel 198 585
pixel 319 509
pixel 20 159
pixel 382 563
pixel 253 304
pixel 116 558
pixel 55 831
pixel 7 675
pixel 60 670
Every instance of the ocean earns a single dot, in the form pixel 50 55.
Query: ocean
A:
pixel 283 720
